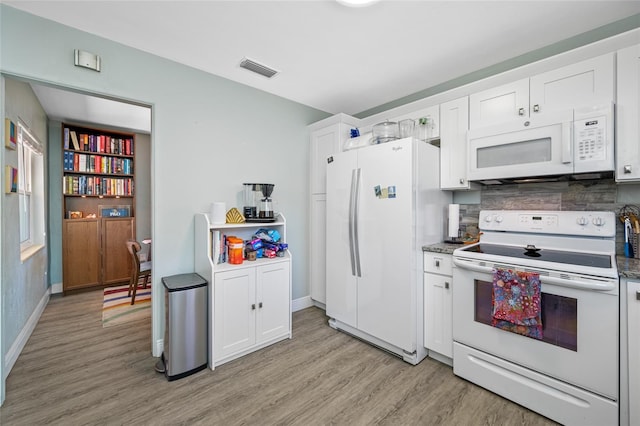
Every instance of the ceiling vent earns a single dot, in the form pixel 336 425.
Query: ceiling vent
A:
pixel 258 68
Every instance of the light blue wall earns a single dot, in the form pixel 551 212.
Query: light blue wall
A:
pixel 24 283
pixel 54 203
pixel 209 134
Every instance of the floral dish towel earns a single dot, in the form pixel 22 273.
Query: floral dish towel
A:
pixel 516 302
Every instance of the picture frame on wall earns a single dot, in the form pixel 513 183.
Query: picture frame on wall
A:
pixel 11 180
pixel 10 134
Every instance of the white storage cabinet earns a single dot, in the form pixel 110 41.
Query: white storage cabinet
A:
pixel 576 85
pixel 627 115
pixel 629 352
pixel 438 305
pixel 454 124
pixel 249 303
pixel 326 138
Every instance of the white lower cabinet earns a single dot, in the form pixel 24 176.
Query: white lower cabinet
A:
pixel 251 308
pixel 630 353
pixel 249 303
pixel 438 304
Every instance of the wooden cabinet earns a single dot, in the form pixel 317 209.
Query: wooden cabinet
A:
pixel 577 85
pixel 629 352
pixel 627 113
pixel 98 206
pixel 116 262
pixel 250 303
pixel 454 124
pixel 81 253
pixel 438 305
pixel 326 138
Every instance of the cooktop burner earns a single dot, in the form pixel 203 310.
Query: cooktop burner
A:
pixel 544 255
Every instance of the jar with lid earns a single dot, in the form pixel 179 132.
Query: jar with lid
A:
pixel 385 132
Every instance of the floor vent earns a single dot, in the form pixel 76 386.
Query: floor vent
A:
pixel 258 68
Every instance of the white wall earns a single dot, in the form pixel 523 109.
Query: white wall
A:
pixel 209 135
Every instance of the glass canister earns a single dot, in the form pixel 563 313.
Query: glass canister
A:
pixel 406 128
pixel 424 129
pixel 385 132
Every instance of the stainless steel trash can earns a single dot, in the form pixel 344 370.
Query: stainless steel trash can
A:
pixel 186 331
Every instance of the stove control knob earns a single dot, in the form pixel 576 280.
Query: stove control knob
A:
pixel 598 221
pixel 499 219
pixel 487 219
pixel 582 221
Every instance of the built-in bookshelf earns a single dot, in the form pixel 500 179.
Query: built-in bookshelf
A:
pixel 97 163
pixel 98 191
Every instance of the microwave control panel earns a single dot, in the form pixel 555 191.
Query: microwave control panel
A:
pixel 591 136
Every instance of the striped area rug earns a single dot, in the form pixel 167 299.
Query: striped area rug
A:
pixel 117 308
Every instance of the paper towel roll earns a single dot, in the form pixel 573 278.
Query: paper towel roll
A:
pixel 218 213
pixel 454 220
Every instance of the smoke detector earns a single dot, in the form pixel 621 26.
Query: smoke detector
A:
pixel 258 68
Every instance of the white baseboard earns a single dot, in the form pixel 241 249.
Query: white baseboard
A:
pixel 301 303
pixel 18 345
pixel 56 288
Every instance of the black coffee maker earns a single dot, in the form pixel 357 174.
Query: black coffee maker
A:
pixel 258 206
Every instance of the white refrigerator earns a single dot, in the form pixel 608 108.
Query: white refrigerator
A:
pixel 383 204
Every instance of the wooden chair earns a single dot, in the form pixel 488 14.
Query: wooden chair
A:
pixel 138 269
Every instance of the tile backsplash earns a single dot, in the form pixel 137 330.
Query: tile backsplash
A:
pixel 571 195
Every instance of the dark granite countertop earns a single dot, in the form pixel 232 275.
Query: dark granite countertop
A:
pixel 627 268
pixel 444 248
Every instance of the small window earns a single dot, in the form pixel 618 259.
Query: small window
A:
pixel 30 188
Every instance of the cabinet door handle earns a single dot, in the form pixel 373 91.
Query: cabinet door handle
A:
pixel 536 108
pixel 521 111
pixel 637 295
pixel 627 168
pixel 437 263
pixel 446 284
pixel 253 306
pixel 260 305
pixel 461 181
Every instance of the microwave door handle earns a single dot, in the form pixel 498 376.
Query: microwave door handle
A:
pixel 567 142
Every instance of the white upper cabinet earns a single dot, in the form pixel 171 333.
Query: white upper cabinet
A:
pixel 581 84
pixel 326 141
pixel 627 115
pixel 499 104
pixel 454 123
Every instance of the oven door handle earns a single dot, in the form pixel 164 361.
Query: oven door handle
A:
pixel 579 284
pixel 472 266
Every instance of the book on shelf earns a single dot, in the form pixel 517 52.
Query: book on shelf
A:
pixel 66 138
pixel 74 140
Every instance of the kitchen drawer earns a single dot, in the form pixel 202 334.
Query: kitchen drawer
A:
pixel 438 263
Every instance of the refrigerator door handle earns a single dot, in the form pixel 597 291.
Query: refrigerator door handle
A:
pixel 352 196
pixel 356 245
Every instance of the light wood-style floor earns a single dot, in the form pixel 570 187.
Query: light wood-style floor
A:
pixel 74 372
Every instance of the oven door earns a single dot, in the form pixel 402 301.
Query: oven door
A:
pixel 579 320
pixel 535 148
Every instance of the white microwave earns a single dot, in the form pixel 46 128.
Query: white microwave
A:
pixel 567 142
